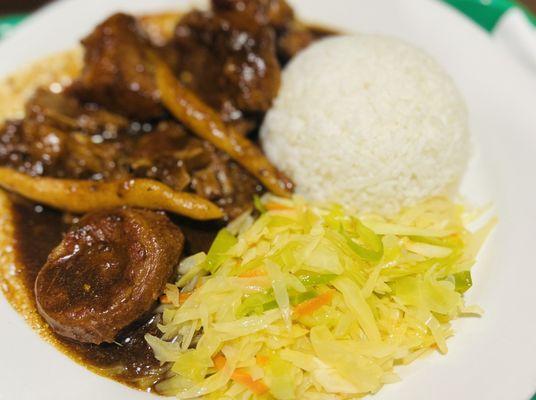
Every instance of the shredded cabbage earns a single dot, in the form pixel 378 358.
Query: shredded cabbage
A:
pixel 308 302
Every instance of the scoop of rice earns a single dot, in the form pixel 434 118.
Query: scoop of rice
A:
pixel 370 122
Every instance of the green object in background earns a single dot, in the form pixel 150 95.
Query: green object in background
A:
pixel 9 22
pixel 487 13
pixel 484 12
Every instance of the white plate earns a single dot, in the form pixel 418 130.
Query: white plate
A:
pixel 490 358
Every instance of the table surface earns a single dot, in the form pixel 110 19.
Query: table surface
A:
pixel 18 6
pixel 530 4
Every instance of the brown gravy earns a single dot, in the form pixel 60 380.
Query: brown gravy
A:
pixel 129 360
pixel 37 230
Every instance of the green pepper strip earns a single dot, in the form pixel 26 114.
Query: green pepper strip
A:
pixel 312 279
pixel 216 255
pixel 258 204
pixel 463 281
pixel 368 237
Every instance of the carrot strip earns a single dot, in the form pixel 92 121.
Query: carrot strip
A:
pixel 310 306
pixel 164 299
pixel 184 296
pixel 219 361
pixel 262 360
pixel 241 376
pixel 276 207
pixel 253 273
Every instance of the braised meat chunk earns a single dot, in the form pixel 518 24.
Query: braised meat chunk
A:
pixel 183 161
pixel 67 113
pixel 292 36
pixel 201 119
pixel 61 137
pixel 117 69
pixel 40 149
pixel 228 60
pixel 93 145
pixel 168 153
pixel 19 149
pixel 163 118
pixel 107 272
pixel 293 40
pixel 276 13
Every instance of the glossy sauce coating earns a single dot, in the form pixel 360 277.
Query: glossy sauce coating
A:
pixel 107 272
pixel 129 360
pixel 38 230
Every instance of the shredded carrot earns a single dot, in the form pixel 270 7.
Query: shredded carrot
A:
pixel 184 296
pixel 272 206
pixel 310 306
pixel 240 375
pixel 253 273
pixel 262 360
pixel 219 361
pixel 164 299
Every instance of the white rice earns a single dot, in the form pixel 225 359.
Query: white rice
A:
pixel 370 122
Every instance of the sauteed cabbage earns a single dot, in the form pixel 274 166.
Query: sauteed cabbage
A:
pixel 309 302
